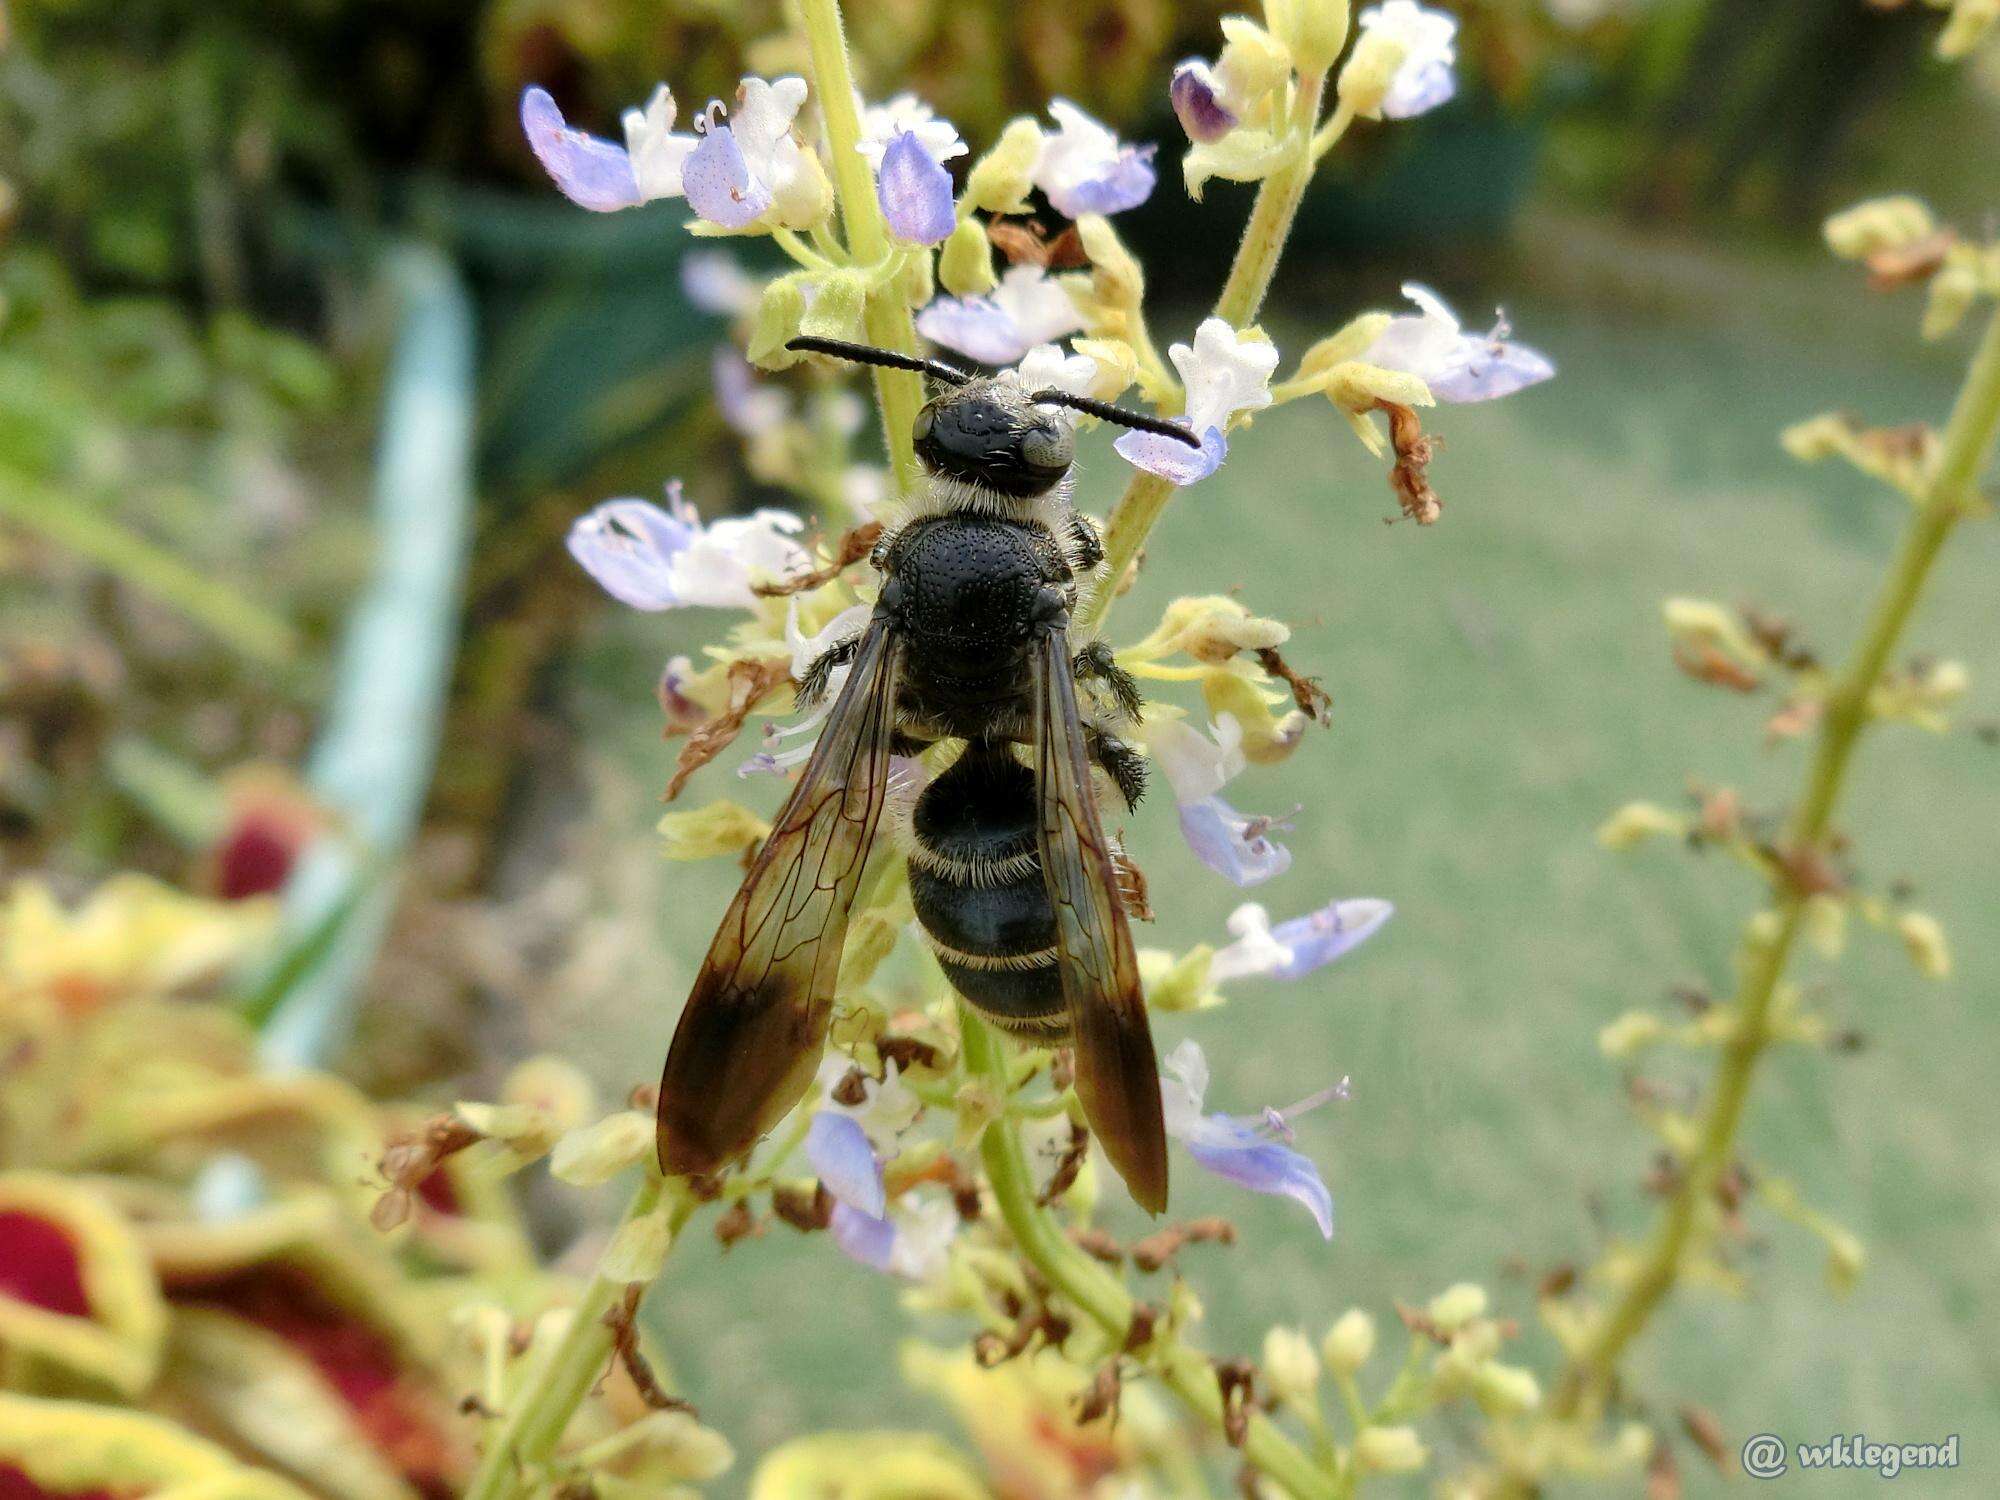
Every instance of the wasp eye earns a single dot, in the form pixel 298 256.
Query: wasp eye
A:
pixel 921 428
pixel 1048 447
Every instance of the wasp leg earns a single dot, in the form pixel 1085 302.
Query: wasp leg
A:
pixel 1086 547
pixel 819 671
pixel 1095 663
pixel 1125 766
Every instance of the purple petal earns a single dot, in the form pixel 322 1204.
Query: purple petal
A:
pixel 1236 847
pixel 1202 115
pixel 1485 369
pixel 1126 182
pixel 868 1238
pixel 592 173
pixel 1172 460
pixel 1319 937
pixel 839 1151
pixel 977 327
pixel 718 183
pixel 915 192
pixel 628 546
pixel 1247 1159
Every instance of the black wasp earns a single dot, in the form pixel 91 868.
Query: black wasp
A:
pixel 1013 879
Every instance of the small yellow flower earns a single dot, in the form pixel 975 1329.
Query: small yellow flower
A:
pixel 1389 1450
pixel 1349 1342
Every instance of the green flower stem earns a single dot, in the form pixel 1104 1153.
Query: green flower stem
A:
pixel 1145 499
pixel 1100 1296
pixel 886 316
pixel 1967 444
pixel 539 1415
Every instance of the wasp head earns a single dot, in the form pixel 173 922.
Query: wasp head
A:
pixel 990 434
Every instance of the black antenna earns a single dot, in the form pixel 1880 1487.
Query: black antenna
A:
pixel 864 354
pixel 1138 421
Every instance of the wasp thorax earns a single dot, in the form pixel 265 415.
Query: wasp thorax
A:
pixel 990 434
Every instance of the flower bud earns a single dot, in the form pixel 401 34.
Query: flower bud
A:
pixel 1253 62
pixel 965 266
pixel 1371 68
pixel 1923 939
pixel 1117 366
pixel 1632 1031
pixel 835 309
pixel 1344 344
pixel 1455 1306
pixel 677 1448
pixel 1952 292
pixel 1826 924
pixel 1845 1259
pixel 1115 276
pixel 1290 1365
pixel 1313 31
pixel 780 308
pixel 595 1154
pixel 639 1249
pixel 704 832
pixel 1878 224
pixel 1506 1390
pixel 1636 822
pixel 918 283
pixel 999 181
pixel 1182 984
pixel 1389 1450
pixel 1970 21
pixel 1349 1342
pixel 1354 386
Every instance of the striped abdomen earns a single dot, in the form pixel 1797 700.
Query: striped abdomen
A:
pixel 976 882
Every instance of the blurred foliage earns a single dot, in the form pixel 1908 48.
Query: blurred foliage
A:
pixel 165 551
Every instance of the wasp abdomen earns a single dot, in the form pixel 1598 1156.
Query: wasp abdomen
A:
pixel 976 883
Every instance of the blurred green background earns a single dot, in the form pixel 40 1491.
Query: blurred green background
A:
pixel 192 360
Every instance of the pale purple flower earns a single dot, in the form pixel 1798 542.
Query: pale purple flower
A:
pixel 845 1163
pixel 591 172
pixel 915 192
pixel 1224 372
pixel 1236 846
pixel 750 406
pixel 716 283
pixel 910 1242
pixel 717 178
pixel 907 114
pixel 1294 948
pixel 1084 169
pixel 1024 310
pixel 655 559
pixel 1425 79
pixel 732 171
pixel 1457 366
pixel 1197 96
pixel 1253 1151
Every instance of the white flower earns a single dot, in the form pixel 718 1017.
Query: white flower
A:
pixel 1457 366
pixel 1424 79
pixel 1084 169
pixel 882 123
pixel 1024 310
pixel 1224 373
pixel 1047 368
pixel 657 153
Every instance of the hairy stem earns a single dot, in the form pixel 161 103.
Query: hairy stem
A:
pixel 1145 499
pixel 886 317
pixel 1101 1297
pixel 538 1416
pixel 1968 442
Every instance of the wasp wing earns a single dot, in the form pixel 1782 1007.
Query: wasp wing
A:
pixel 1117 1077
pixel 749 1039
